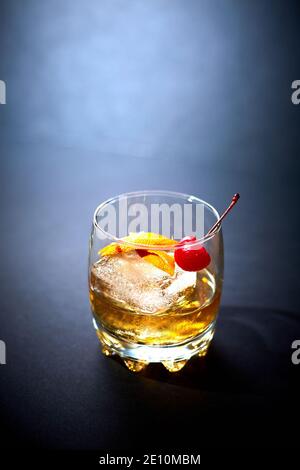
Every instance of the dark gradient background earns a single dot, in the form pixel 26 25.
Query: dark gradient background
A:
pixel 110 96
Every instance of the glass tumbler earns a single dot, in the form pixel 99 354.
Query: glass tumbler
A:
pixel 150 300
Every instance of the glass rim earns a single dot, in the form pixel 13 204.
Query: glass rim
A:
pixel 154 192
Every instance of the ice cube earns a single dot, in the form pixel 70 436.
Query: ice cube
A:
pixel 129 279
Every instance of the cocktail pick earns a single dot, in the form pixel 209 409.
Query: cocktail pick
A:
pixel 234 200
pixel 194 258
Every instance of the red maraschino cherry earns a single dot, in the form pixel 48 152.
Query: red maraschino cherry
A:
pixel 191 256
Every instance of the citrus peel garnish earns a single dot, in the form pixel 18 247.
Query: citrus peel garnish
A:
pixel 149 238
pixel 157 258
pixel 140 238
pixel 115 249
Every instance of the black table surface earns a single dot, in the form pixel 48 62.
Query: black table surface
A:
pixel 105 98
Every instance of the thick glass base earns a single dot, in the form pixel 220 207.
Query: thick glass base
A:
pixel 137 356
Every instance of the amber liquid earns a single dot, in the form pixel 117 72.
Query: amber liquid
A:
pixel 188 314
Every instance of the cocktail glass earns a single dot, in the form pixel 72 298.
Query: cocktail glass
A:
pixel 145 307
